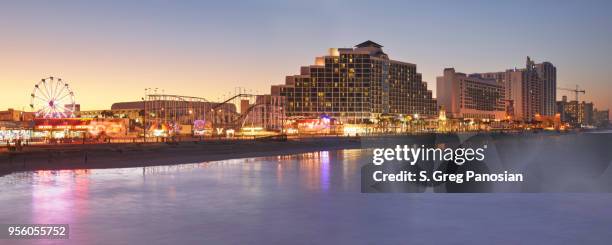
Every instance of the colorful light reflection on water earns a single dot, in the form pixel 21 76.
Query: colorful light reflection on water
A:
pixel 305 198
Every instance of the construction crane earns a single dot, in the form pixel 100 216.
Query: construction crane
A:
pixel 576 91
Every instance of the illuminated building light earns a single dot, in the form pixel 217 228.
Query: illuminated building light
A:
pixel 219 131
pixel 229 133
pixel 158 132
pixel 59 134
pixel 353 130
pixel 291 131
pixel 201 132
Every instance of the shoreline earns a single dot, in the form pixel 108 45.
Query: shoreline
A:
pixel 126 155
pixel 103 156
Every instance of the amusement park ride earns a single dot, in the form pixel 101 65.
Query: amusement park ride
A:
pixel 162 115
pixel 54 109
pixel 56 114
pixel 242 113
pixel 52 98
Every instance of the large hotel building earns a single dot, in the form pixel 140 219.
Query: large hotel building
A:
pixel 470 96
pixel 357 85
pixel 525 92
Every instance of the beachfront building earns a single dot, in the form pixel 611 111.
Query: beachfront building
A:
pixel 357 85
pixel 601 118
pixel 135 114
pixel 529 91
pixel 11 130
pixel 12 115
pixel 547 73
pixel 470 97
pixel 165 115
pixel 173 108
pixel 569 111
pixel 576 113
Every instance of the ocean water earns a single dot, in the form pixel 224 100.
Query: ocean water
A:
pixel 309 198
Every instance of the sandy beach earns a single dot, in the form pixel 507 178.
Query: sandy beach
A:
pixel 95 156
pixel 121 155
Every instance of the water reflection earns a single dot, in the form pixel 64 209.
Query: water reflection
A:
pixel 313 197
pixel 55 193
pixel 79 197
pixel 315 170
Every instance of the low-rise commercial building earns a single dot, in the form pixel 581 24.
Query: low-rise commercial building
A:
pixel 13 115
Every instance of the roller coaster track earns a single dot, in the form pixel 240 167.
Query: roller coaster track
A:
pixel 231 98
pixel 179 97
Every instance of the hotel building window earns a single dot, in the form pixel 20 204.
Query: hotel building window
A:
pixel 357 85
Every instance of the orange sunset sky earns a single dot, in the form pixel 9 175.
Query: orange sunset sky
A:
pixel 111 51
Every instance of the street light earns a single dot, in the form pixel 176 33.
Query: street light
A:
pixel 144 120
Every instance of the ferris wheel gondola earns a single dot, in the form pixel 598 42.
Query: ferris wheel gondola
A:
pixel 52 98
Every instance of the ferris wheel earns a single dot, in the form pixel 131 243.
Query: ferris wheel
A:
pixel 52 98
